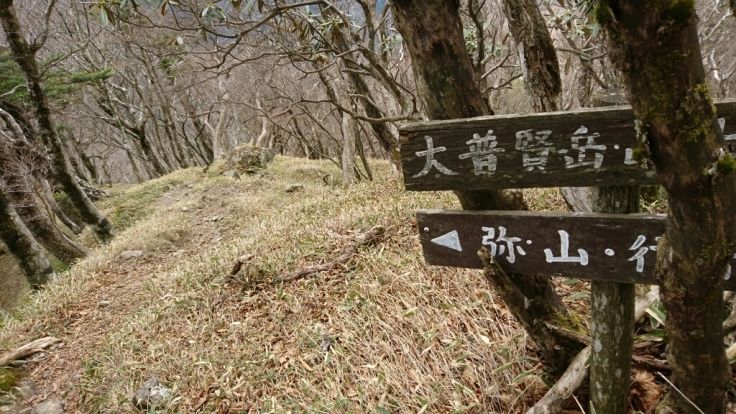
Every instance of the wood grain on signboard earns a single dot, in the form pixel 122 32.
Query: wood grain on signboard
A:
pixel 609 241
pixel 453 156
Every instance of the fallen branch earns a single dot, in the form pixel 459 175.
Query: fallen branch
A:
pixel 369 237
pixel 650 364
pixel 28 349
pixel 554 401
pixel 556 398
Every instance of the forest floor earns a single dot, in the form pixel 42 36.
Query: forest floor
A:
pixel 384 333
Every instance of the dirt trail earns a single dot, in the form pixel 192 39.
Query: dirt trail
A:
pixel 115 296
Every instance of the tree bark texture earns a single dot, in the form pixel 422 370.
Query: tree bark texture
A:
pixel 348 150
pixel 537 54
pixel 655 46
pixel 22 246
pixel 39 223
pixel 612 318
pixel 448 86
pixel 24 55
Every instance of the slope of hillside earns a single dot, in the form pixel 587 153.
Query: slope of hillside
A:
pixel 384 333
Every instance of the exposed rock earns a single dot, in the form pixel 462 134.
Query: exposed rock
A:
pixel 150 394
pixel 129 254
pixel 248 159
pixel 49 407
pixel 213 219
pixel 231 174
pixel 294 187
pixel 103 303
pixel 185 208
pixel 10 403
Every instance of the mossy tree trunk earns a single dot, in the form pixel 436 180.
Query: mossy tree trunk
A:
pixel 25 55
pixel 448 86
pixel 22 246
pixel 655 46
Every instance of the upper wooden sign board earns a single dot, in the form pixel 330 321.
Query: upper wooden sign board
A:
pixel 585 148
pixel 612 247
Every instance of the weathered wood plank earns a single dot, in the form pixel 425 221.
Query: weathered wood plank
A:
pixel 590 147
pixel 612 247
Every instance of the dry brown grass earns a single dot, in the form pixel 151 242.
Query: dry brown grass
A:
pixel 405 337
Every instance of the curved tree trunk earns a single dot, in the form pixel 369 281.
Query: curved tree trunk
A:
pixel 448 86
pixel 24 55
pixel 48 197
pixel 22 246
pixel 655 46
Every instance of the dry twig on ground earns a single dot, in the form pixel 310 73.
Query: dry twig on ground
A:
pixel 369 237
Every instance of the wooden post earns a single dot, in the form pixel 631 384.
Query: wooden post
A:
pixel 612 317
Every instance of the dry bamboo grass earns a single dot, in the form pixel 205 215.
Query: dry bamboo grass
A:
pixel 403 337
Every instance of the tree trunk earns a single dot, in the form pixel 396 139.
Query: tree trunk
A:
pixel 612 318
pixel 537 54
pixel 24 55
pixel 38 222
pixel 541 70
pixel 447 84
pixel 133 163
pixel 203 137
pixel 655 46
pixel 381 129
pixel 348 150
pixel 48 196
pixel 22 246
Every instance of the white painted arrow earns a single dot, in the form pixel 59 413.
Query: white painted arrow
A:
pixel 450 240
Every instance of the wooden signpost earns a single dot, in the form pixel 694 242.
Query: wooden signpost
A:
pixel 592 147
pixel 585 148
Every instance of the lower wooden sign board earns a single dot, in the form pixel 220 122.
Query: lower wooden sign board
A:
pixel 613 247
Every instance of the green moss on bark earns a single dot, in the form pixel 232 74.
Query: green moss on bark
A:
pixel 603 14
pixel 681 11
pixel 692 115
pixel 726 165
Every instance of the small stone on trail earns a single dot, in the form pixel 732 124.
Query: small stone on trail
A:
pixel 185 208
pixel 150 394
pixel 294 187
pixel 104 303
pixel 213 219
pixel 231 174
pixel 49 407
pixel 128 254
